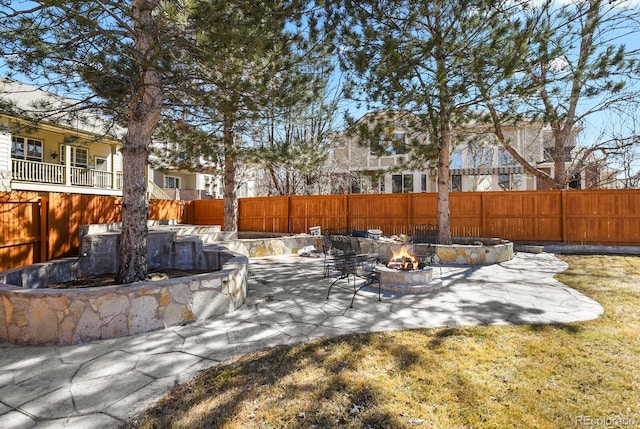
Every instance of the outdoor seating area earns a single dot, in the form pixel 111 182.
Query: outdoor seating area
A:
pixel 347 259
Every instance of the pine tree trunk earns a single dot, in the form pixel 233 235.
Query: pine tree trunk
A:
pixel 560 168
pixel 444 161
pixel 230 195
pixel 144 114
pixel 133 240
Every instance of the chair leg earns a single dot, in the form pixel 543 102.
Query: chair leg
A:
pixel 334 282
pixel 356 289
pixel 368 280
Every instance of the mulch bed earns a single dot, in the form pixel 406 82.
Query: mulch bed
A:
pixel 109 279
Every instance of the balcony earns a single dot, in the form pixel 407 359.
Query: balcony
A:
pixel 56 174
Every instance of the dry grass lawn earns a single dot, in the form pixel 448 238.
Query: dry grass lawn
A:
pixel 560 376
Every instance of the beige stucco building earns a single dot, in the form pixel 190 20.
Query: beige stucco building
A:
pixel 384 162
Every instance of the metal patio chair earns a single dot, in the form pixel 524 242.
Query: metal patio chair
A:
pixel 426 233
pixel 327 250
pixel 348 245
pixel 348 266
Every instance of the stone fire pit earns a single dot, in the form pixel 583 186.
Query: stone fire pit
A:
pixel 408 281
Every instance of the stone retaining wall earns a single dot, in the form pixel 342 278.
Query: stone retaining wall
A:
pixel 468 252
pixel 255 248
pixel 70 316
pixel 30 313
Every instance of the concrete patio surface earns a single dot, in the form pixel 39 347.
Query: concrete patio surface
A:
pixel 105 383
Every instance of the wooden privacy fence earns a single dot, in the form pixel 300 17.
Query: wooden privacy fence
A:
pixel 584 217
pixel 40 227
pixel 36 228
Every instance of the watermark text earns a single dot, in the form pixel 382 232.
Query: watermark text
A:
pixel 605 421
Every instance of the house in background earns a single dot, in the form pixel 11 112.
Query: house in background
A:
pixel 185 185
pixel 172 175
pixel 478 161
pixel 47 146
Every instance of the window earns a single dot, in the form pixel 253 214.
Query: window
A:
pixel 394 144
pixel 423 183
pixel 456 183
pixel 79 156
pixel 480 182
pixel 356 188
pixel 478 157
pixel 510 182
pixel 401 183
pixel 575 182
pixel 377 184
pixel 25 148
pixel 171 182
pixel 456 159
pixel 505 159
pixel 101 163
pixel 549 152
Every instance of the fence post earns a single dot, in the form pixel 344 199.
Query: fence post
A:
pixel 483 208
pixel 409 213
pixel 347 219
pixel 565 233
pixel 289 215
pixel 44 230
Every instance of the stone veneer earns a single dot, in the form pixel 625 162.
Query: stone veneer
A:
pixel 70 316
pixel 30 313
pixel 467 251
pixel 410 281
pixel 259 247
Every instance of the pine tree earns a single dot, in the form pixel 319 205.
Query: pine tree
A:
pixel 291 139
pixel 411 58
pixel 112 57
pixel 571 63
pixel 241 75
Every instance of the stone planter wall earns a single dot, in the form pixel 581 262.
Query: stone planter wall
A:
pixel 468 252
pixel 255 248
pixel 70 316
pixel 30 313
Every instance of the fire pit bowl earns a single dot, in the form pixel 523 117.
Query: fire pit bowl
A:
pixel 408 281
pixel 406 273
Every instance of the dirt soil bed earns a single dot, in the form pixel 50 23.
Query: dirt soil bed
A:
pixel 109 279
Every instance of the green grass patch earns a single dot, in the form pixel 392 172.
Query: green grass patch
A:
pixel 543 376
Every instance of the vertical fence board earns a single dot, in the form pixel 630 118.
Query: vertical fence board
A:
pixel 611 217
pixel 169 210
pixel 466 214
pixel 68 211
pixel 263 214
pixel 425 208
pixel 325 211
pixel 208 212
pixel 386 212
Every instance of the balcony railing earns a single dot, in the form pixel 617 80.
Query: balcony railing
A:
pixel 42 172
